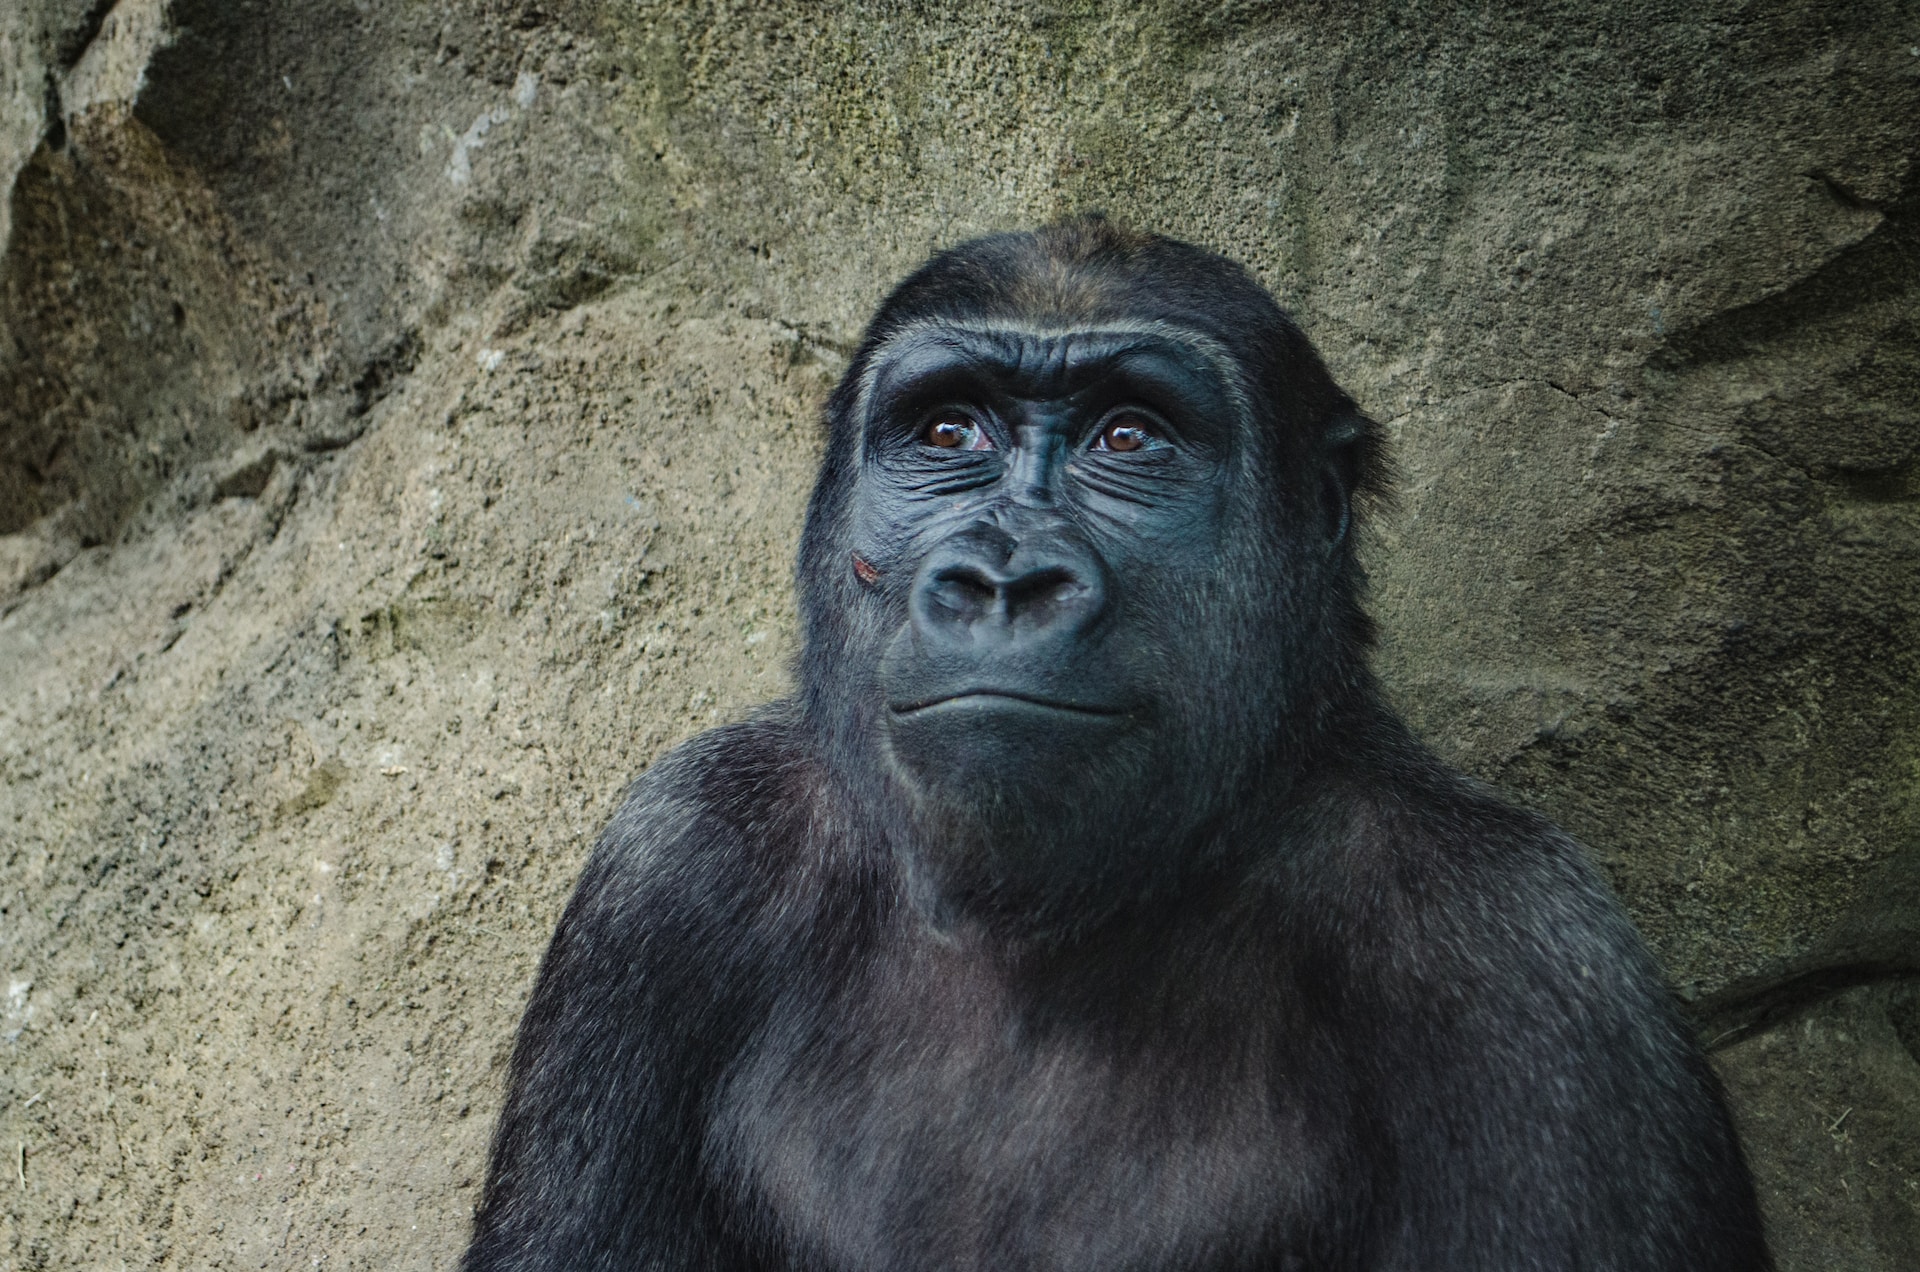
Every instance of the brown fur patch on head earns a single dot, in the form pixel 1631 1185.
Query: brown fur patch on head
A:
pixel 1083 269
pixel 1076 268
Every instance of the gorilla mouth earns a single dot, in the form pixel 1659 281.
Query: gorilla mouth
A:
pixel 996 697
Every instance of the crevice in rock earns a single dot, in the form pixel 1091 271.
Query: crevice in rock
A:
pixel 74 42
pixel 55 138
pixel 1736 1014
pixel 1882 266
pixel 382 372
pixel 1844 196
pixel 1896 485
pixel 1878 939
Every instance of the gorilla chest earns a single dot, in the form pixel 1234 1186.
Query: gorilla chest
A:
pixel 948 1133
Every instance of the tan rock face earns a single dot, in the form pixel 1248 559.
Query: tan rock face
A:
pixel 406 413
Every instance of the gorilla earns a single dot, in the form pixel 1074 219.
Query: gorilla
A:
pixel 1087 908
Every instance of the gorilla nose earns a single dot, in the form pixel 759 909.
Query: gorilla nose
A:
pixel 977 591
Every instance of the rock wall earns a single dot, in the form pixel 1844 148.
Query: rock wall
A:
pixel 406 412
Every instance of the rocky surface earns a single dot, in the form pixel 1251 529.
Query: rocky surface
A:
pixel 406 413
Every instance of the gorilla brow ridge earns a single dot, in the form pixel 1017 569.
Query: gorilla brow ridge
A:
pixel 1219 360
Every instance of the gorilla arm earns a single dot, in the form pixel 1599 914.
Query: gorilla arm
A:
pixel 1550 1106
pixel 647 991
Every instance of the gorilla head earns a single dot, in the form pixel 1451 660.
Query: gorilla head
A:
pixel 1032 639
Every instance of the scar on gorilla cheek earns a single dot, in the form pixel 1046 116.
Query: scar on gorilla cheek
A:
pixel 865 570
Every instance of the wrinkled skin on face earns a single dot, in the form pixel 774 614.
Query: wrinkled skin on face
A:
pixel 1049 647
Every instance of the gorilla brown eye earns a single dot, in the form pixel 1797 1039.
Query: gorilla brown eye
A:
pixel 954 432
pixel 1125 433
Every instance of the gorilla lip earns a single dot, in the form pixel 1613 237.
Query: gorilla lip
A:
pixel 1006 695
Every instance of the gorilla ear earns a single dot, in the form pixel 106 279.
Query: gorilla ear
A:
pixel 1352 466
pixel 1340 476
pixel 1336 500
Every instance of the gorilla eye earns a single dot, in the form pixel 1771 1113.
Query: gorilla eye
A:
pixel 955 432
pixel 1124 433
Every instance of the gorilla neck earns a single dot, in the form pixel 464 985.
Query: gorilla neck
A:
pixel 1062 875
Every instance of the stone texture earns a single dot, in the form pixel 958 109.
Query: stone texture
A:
pixel 406 413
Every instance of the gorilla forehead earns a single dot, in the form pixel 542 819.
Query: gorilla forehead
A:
pixel 1035 360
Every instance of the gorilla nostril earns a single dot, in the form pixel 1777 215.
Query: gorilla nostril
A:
pixel 964 591
pixel 1041 592
pixel 1049 584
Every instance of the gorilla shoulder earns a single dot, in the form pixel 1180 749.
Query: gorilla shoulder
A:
pixel 723 820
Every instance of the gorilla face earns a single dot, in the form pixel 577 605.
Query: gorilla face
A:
pixel 1076 580
pixel 1043 516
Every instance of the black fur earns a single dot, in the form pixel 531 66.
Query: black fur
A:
pixel 1086 909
